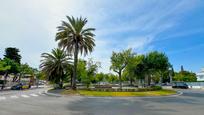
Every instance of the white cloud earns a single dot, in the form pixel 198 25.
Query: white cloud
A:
pixel 31 24
pixel 139 44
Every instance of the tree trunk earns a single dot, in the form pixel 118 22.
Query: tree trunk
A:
pixel 149 80
pixel 37 82
pixel 61 84
pixel 5 79
pixel 20 76
pixel 161 79
pixel 131 82
pixel 15 78
pixel 170 81
pixel 75 67
pixel 140 83
pixel 120 80
pixel 71 79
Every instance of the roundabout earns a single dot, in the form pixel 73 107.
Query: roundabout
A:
pixel 190 102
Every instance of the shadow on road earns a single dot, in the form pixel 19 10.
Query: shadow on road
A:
pixel 105 106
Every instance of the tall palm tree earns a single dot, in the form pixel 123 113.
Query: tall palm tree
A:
pixel 75 39
pixel 54 65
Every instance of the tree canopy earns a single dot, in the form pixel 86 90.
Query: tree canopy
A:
pixel 13 66
pixel 185 76
pixel 119 61
pixel 54 65
pixel 13 54
pixel 4 66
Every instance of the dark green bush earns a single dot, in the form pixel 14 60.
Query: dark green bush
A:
pixel 156 87
pixel 152 88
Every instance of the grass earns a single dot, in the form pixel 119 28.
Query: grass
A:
pixel 119 94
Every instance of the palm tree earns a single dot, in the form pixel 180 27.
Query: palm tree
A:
pixel 75 39
pixel 55 65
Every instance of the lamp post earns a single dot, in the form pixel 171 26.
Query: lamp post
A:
pixel 170 75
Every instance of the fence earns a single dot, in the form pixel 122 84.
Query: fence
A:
pixel 197 85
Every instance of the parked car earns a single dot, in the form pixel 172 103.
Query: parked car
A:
pixel 20 86
pixel 181 85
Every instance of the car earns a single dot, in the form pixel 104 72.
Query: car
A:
pixel 20 86
pixel 40 83
pixel 181 85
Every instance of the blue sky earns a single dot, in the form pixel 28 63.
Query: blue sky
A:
pixel 175 27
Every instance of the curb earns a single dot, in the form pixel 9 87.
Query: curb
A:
pixel 51 94
pixel 179 93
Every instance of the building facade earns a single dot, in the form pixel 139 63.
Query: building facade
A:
pixel 200 75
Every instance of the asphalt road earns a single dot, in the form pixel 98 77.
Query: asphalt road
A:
pixel 33 102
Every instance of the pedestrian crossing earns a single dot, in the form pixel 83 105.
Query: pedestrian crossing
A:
pixel 34 95
pixel 21 96
pixel 14 97
pixel 26 96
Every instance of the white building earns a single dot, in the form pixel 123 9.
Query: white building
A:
pixel 200 75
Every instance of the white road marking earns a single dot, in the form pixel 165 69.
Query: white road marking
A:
pixel 34 95
pixel 2 98
pixel 24 96
pixel 14 96
pixel 41 93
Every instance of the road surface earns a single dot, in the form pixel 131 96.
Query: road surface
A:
pixel 33 102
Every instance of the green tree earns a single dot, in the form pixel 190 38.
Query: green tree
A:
pixel 11 67
pixel 92 69
pixel 24 69
pixel 111 78
pixel 69 74
pixel 13 54
pixel 4 67
pixel 137 68
pixel 82 73
pixel 100 77
pixel 41 75
pixel 157 63
pixel 14 66
pixel 185 76
pixel 54 65
pixel 75 38
pixel 119 61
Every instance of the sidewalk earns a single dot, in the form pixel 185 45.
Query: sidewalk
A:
pixel 5 89
pixel 32 87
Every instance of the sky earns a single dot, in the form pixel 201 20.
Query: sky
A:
pixel 175 27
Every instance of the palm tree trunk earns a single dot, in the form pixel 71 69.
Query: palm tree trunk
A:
pixel 75 67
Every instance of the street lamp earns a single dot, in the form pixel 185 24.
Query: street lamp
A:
pixel 170 75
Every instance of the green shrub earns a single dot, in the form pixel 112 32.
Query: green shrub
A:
pixel 152 88
pixel 156 88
